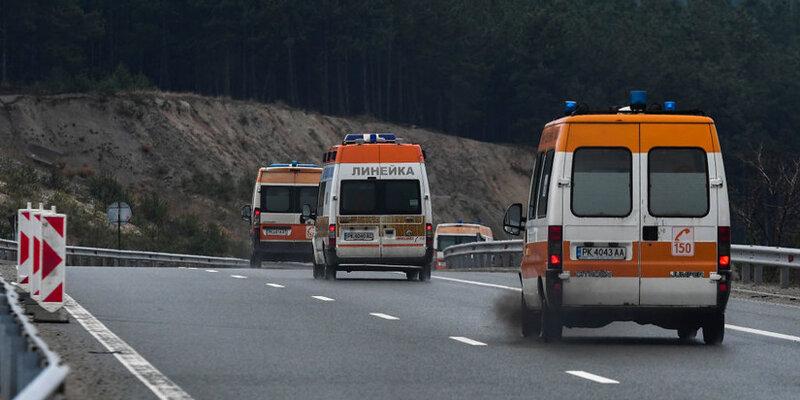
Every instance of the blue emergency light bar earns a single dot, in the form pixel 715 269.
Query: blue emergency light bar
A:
pixel 293 164
pixel 351 138
pixel 570 107
pixel 670 106
pixel 638 100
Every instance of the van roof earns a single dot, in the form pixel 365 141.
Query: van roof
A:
pixel 633 118
pixel 376 153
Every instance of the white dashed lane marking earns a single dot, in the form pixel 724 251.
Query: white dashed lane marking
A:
pixel 763 333
pixel 275 285
pixel 467 340
pixel 591 377
pixel 239 276
pixel 211 270
pixel 384 316
pixel 322 298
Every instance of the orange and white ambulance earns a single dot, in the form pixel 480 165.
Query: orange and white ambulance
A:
pixel 278 196
pixel 374 208
pixel 628 220
pixel 451 234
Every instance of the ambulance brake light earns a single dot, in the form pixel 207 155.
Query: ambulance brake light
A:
pixel 257 212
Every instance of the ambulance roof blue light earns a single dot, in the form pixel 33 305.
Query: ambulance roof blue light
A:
pixel 670 106
pixel 570 106
pixel 638 99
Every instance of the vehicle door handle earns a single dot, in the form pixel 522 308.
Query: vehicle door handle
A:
pixel 650 233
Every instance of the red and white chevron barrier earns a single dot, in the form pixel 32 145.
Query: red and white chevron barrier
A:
pixel 41 259
pixel 53 261
pixel 24 248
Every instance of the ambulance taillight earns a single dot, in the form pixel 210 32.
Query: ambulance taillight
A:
pixel 554 239
pixel 724 247
pixel 429 235
pixel 257 214
pixel 332 235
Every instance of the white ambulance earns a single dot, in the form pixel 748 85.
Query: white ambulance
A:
pixel 374 208
pixel 451 234
pixel 278 196
pixel 628 220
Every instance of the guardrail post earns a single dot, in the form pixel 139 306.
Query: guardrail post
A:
pixel 784 277
pixel 758 274
pixel 746 276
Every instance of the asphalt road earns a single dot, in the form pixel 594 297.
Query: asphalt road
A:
pixel 219 336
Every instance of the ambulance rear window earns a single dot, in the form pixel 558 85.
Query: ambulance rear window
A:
pixel 678 182
pixel 445 241
pixel 287 199
pixel 373 197
pixel 601 182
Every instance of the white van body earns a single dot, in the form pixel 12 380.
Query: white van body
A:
pixel 628 219
pixel 374 208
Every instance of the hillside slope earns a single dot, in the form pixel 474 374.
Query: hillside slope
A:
pixel 201 153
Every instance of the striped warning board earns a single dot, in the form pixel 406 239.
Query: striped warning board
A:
pixel 24 248
pixel 53 261
pixel 36 251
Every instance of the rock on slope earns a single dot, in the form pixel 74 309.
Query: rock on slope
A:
pixel 162 142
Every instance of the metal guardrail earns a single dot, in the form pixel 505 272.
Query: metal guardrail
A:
pixel 29 370
pixel 507 253
pixel 493 254
pixel 89 256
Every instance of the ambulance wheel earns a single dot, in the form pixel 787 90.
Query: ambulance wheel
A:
pixel 330 272
pixel 425 273
pixel 687 333
pixel 552 327
pixel 531 321
pixel 412 275
pixel 714 329
pixel 319 271
pixel 255 260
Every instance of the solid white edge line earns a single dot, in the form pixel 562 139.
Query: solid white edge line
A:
pixel 322 298
pixel 763 333
pixel 239 276
pixel 467 340
pixel 478 283
pixel 591 377
pixel 275 285
pixel 163 387
pixel 384 316
pixel 211 270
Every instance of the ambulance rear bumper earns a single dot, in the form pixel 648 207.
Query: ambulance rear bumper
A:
pixel 285 251
pixel 665 317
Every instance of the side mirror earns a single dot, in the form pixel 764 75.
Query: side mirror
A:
pixel 247 213
pixel 307 214
pixel 513 222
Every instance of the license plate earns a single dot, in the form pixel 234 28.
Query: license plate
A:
pixel 277 231
pixel 600 253
pixel 359 236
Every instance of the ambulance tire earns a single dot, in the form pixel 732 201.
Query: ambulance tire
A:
pixel 687 333
pixel 425 273
pixel 319 271
pixel 255 260
pixel 714 329
pixel 412 275
pixel 531 321
pixel 552 327
pixel 330 272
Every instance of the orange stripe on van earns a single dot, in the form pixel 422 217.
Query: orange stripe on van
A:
pixel 676 135
pixel 290 175
pixel 374 153
pixel 618 268
pixel 658 261
pixel 356 245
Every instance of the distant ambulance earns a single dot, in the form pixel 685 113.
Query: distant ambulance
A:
pixel 374 208
pixel 451 234
pixel 628 220
pixel 278 197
